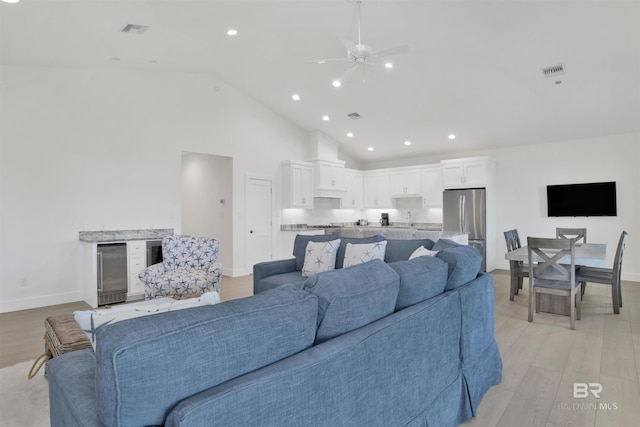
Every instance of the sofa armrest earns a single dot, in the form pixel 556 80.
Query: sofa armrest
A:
pixel 149 274
pixel 271 268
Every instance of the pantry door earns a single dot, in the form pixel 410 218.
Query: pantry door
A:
pixel 258 221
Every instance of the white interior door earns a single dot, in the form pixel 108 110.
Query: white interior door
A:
pixel 258 221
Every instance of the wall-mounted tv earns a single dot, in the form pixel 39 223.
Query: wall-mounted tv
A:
pixel 592 199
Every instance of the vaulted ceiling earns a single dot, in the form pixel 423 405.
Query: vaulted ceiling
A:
pixel 474 68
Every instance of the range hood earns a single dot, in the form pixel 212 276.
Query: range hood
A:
pixel 328 169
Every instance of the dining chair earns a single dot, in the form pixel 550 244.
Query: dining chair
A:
pixel 607 276
pixel 518 269
pixel 548 276
pixel 567 233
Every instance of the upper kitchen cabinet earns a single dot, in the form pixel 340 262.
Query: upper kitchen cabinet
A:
pixel 406 182
pixel 432 186
pixel 297 184
pixel 354 184
pixel 377 190
pixel 329 179
pixel 466 173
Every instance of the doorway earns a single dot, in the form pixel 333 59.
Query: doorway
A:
pixel 207 203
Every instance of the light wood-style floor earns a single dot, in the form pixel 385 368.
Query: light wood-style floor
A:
pixel 542 360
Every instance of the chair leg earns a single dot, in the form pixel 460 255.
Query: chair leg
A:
pixel 532 302
pixel 579 304
pixel 513 289
pixel 520 282
pixel 615 298
pixel 572 308
pixel 619 294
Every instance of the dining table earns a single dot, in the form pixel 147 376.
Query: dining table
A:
pixel 587 254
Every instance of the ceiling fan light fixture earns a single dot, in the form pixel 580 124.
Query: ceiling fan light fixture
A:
pixel 232 32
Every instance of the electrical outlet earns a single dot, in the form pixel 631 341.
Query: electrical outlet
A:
pixel 24 282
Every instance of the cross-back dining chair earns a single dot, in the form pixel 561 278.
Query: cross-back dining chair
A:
pixel 548 276
pixel 567 233
pixel 518 269
pixel 607 276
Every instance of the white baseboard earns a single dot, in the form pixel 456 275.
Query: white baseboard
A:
pixel 236 272
pixel 39 301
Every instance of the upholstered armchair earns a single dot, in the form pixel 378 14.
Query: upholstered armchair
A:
pixel 190 265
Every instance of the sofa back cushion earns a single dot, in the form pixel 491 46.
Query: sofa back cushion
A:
pixel 352 297
pixel 401 250
pixel 300 246
pixel 354 241
pixel 145 366
pixel 420 279
pixel 464 264
pixel 189 252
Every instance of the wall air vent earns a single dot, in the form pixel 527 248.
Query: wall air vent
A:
pixel 354 116
pixel 553 71
pixel 134 29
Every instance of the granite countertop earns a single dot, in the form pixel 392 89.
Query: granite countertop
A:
pixel 397 225
pixel 105 236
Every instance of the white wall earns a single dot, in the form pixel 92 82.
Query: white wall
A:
pixel 87 149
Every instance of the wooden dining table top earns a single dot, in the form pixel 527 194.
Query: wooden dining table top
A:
pixel 588 254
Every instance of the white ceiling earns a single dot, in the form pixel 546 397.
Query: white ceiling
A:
pixel 474 68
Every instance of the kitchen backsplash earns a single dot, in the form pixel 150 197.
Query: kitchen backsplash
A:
pixel 325 213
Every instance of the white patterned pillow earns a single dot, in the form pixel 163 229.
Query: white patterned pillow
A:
pixel 364 252
pixel 319 257
pixel 422 251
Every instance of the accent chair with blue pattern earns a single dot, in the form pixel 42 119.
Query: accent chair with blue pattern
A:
pixel 190 265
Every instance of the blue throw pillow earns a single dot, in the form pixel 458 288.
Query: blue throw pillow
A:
pixel 300 246
pixel 401 250
pixel 442 244
pixel 464 264
pixel 421 278
pixel 350 298
pixel 354 241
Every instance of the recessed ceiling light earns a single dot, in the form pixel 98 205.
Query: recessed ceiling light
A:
pixel 295 97
pixel 407 143
pixel 11 1
pixel 322 61
pixel 370 148
pixel 232 32
pixel 336 83
pixel 325 118
pixel 388 65
pixel 350 134
pixel 452 136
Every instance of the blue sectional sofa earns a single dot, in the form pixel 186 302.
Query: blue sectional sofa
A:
pixel 404 343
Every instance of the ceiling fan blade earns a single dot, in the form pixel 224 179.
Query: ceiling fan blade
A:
pixel 347 73
pixel 390 51
pixel 351 46
pixel 322 61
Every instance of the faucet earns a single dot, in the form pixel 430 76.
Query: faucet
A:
pixel 408 216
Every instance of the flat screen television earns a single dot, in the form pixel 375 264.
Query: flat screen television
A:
pixel 592 199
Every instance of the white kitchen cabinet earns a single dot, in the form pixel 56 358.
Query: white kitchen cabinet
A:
pixel 354 185
pixel 465 173
pixel 432 186
pixel 136 262
pixel 406 183
pixel 377 190
pixel 329 178
pixel 297 183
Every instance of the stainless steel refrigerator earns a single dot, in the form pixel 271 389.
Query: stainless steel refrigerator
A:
pixel 466 211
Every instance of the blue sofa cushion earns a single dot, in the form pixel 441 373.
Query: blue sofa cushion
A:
pixel 464 264
pixel 274 281
pixel 401 250
pixel 354 241
pixel 300 246
pixel 420 279
pixel 170 356
pixel 353 297
pixel 442 244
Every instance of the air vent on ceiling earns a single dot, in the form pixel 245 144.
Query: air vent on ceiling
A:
pixel 555 70
pixel 354 116
pixel 134 29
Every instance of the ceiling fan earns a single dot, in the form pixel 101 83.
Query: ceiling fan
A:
pixel 361 55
